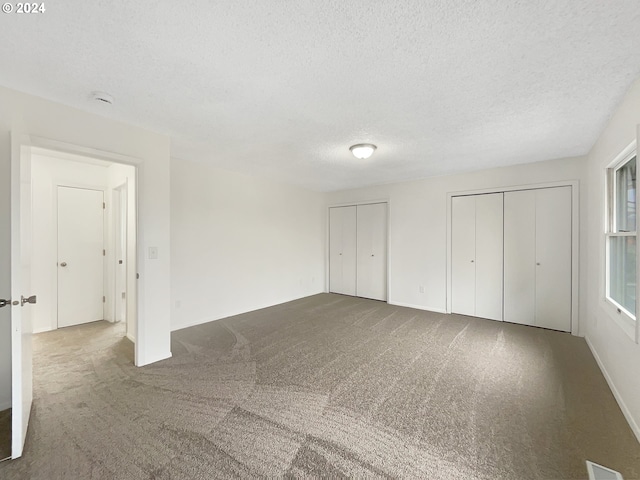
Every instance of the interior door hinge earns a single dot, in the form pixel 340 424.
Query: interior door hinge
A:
pixel 104 299
pixel 104 205
pixel 104 252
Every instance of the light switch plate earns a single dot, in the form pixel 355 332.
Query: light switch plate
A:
pixel 153 253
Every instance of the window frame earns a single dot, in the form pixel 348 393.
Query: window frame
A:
pixel 611 196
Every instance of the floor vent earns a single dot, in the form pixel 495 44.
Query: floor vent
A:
pixel 598 472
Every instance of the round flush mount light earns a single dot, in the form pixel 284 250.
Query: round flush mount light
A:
pixel 102 97
pixel 363 151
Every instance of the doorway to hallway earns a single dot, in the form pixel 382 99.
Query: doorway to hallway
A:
pixel 84 241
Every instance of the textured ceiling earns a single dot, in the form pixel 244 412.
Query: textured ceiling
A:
pixel 282 88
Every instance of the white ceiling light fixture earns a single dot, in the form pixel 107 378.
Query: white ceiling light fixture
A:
pixel 363 151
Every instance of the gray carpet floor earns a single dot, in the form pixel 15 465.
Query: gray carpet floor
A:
pixel 329 386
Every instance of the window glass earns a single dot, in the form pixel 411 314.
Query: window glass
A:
pixel 622 272
pixel 621 235
pixel 626 197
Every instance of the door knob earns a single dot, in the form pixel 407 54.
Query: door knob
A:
pixel 63 264
pixel 472 261
pixel 31 299
pixel 538 263
pixel 372 255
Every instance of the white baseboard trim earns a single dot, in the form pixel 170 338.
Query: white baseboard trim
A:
pixel 417 307
pixel 149 361
pixel 614 390
pixel 130 337
pixel 42 330
pixel 5 405
pixel 201 321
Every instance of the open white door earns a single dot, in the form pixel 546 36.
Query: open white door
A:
pixel 21 328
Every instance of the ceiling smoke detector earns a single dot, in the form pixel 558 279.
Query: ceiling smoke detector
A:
pixel 102 97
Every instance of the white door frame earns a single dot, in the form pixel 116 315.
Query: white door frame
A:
pixel 120 227
pixel 575 238
pixel 27 140
pixel 54 303
pixel 327 236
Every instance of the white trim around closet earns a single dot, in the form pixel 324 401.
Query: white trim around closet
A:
pixel 575 238
pixel 327 236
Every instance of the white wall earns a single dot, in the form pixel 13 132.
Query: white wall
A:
pixel 46 174
pixel 418 223
pixel 118 175
pixel 239 243
pixel 25 114
pixel 617 352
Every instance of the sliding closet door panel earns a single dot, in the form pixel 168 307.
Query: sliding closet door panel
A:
pixel 519 256
pixel 335 249
pixel 553 258
pixel 342 250
pixel 489 256
pixel 372 251
pixel 463 255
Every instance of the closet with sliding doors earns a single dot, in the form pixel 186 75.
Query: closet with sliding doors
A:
pixel 511 256
pixel 358 250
